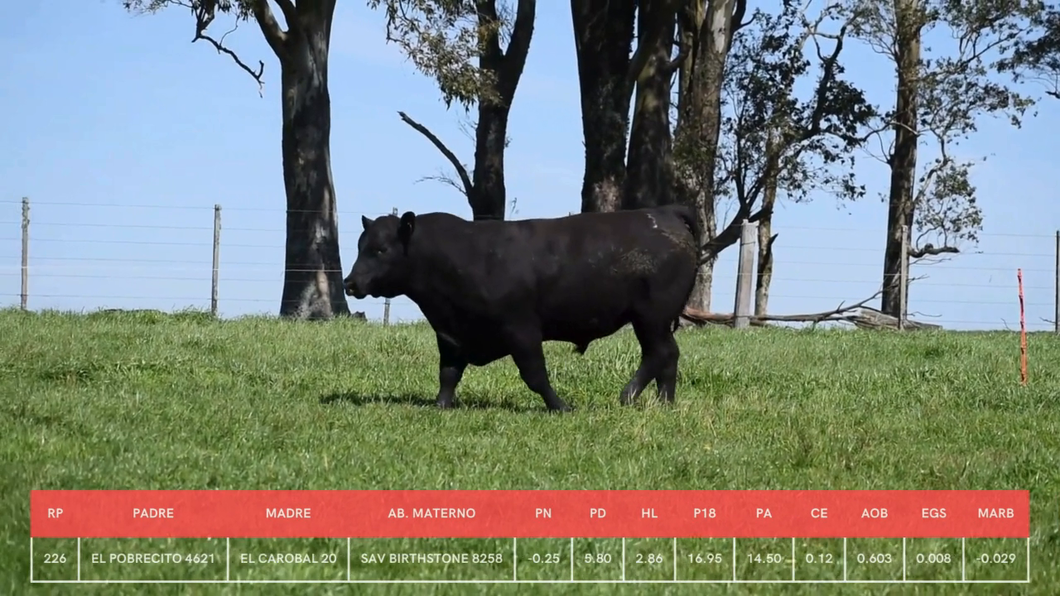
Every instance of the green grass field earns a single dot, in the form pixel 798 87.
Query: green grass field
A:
pixel 152 401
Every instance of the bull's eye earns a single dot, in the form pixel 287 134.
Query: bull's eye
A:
pixel 380 250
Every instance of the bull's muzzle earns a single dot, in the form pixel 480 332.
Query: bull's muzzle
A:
pixel 350 286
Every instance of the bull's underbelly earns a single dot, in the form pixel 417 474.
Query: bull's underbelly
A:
pixel 485 344
pixel 584 330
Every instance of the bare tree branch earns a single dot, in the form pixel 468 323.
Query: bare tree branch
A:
pixel 694 314
pixel 287 8
pixel 515 54
pixel 461 171
pixel 930 250
pixel 221 49
pixel 274 35
pixel 866 318
pixel 445 179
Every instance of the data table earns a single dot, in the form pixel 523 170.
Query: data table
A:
pixel 529 536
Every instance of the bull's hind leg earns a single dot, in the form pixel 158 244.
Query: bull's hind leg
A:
pixel 530 358
pixel 654 353
pixel 450 370
pixel 666 381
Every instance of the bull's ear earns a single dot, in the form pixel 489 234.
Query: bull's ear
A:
pixel 365 222
pixel 405 228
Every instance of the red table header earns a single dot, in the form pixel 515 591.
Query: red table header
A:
pixel 529 514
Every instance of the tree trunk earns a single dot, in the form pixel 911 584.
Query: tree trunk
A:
pixel 706 81
pixel 312 284
pixel 649 165
pixel 488 197
pixel 766 238
pixel 900 209
pixel 770 182
pixel 603 37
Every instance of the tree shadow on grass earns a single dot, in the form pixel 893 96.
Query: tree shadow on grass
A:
pixel 419 401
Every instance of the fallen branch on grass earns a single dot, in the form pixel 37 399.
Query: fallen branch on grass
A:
pixel 861 316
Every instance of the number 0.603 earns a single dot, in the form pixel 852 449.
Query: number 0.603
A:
pixel 875 558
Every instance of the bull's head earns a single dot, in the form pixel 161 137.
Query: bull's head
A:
pixel 382 266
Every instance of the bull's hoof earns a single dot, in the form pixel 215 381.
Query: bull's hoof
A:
pixel 560 409
pixel 629 395
pixel 445 405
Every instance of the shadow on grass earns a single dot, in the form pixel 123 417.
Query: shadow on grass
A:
pixel 420 401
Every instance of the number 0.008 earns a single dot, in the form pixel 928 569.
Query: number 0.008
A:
pixel 933 558
pixel 875 558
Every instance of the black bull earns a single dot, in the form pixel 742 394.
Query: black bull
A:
pixel 492 289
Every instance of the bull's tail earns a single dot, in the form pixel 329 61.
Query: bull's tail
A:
pixel 688 217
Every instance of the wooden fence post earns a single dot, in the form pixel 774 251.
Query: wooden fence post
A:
pixel 216 258
pixel 903 280
pixel 1056 282
pixel 386 303
pixel 25 252
pixel 745 275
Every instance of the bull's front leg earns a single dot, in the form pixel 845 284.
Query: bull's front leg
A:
pixel 529 357
pixel 451 365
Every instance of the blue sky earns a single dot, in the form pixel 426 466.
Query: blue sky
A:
pixel 124 135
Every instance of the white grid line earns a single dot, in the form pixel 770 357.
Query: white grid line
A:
pixel 793 559
pixel 675 559
pixel 903 559
pixel 734 560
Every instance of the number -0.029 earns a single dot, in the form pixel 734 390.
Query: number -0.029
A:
pixel 1002 558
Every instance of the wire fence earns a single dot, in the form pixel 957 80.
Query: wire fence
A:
pixel 81 257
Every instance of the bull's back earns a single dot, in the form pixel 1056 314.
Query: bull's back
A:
pixel 581 276
pixel 597 271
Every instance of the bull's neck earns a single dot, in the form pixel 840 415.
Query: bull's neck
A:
pixel 429 259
